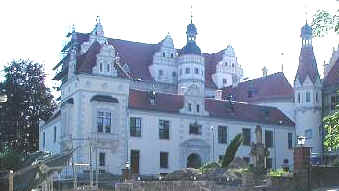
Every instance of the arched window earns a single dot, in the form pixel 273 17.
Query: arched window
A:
pixel 100 67
pixel 298 97
pixel 226 63
pixel 172 55
pixel 308 97
pixel 196 70
pixel 187 70
pixel 224 81
pixel 232 65
pixel 108 68
pixel 198 108
pixel 163 54
pixel 161 72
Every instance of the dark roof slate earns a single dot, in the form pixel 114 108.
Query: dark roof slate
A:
pixel 332 77
pixel 307 65
pixel 274 86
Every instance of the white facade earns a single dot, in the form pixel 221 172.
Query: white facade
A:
pixel 102 97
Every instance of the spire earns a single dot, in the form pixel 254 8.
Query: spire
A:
pixel 191 15
pixel 98 29
pixel 307 62
pixel 264 71
pixel 191 46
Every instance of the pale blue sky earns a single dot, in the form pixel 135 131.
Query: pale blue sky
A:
pixel 258 30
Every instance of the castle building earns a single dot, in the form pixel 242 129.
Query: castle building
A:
pixel 162 109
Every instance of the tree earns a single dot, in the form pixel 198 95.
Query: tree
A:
pixel 231 150
pixel 331 126
pixel 28 100
pixel 324 21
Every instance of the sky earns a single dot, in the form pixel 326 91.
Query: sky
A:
pixel 259 31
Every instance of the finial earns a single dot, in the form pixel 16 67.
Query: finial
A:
pixel 73 28
pixel 264 71
pixel 282 65
pixel 98 20
pixel 191 15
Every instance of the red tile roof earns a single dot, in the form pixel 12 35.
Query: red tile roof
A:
pixel 332 77
pixel 164 102
pixel 274 86
pixel 138 56
pixel 171 103
pixel 307 65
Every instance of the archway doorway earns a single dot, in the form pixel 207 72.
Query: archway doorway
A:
pixel 193 161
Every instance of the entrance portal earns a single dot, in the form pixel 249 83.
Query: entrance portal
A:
pixel 193 161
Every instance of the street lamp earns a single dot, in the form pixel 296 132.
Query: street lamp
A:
pixel 212 128
pixel 301 140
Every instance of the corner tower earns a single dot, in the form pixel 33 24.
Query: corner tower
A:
pixel 307 93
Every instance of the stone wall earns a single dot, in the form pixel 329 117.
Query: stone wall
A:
pixel 324 176
pixel 176 186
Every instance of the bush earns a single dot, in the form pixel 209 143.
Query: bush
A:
pixel 279 172
pixel 336 162
pixel 208 166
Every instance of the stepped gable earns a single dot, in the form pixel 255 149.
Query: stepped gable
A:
pixel 307 65
pixel 274 86
pixel 333 76
pixel 138 56
pixel 171 103
pixel 211 61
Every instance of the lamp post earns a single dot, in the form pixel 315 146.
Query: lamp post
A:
pixel 301 140
pixel 212 129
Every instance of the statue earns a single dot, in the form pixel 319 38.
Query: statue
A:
pixel 258 150
pixel 258 134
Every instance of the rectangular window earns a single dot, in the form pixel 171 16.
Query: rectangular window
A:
pixel 104 121
pixel 195 129
pixel 247 136
pixel 333 103
pixel 222 134
pixel 290 140
pixel 102 159
pixel 108 68
pixel 187 70
pixel 269 163
pixel 163 160
pixel 298 97
pixel 196 70
pixel 308 97
pixel 135 127
pixel 269 138
pixel 100 67
pixel 247 159
pixel 198 108
pixel 163 129
pixel 308 133
pixel 55 132
pixel 44 140
pixel 189 107
pixel 317 97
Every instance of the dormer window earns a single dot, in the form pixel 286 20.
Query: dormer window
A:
pixel 174 74
pixel 196 70
pixel 298 97
pixel 224 82
pixel 308 97
pixel 189 107
pixel 108 68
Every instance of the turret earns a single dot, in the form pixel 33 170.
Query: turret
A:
pixel 307 91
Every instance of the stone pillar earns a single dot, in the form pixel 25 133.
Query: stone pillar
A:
pixel 10 180
pixel 125 173
pixel 302 167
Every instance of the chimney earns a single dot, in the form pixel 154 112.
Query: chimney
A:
pixel 182 90
pixel 218 95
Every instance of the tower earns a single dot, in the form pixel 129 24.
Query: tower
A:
pixel 307 93
pixel 191 64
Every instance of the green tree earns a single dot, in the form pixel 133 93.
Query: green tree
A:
pixel 231 150
pixel 324 22
pixel 28 100
pixel 11 160
pixel 331 125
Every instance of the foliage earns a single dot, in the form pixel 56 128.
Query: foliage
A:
pixel 11 160
pixel 324 21
pixel 28 100
pixel 211 165
pixel 336 162
pixel 231 150
pixel 279 172
pixel 331 126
